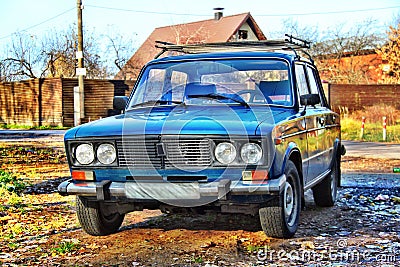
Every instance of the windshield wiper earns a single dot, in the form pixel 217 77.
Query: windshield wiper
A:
pixel 218 96
pixel 154 102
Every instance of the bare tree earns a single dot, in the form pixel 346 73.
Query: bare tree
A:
pixel 53 55
pixel 307 32
pixel 119 50
pixel 60 59
pixel 390 53
pixel 345 55
pixel 23 58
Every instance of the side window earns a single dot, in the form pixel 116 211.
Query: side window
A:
pixel 313 81
pixel 301 80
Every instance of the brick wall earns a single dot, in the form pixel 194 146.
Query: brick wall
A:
pixel 356 97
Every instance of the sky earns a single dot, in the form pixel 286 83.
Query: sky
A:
pixel 137 19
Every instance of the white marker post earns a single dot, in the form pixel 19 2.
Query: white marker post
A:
pixel 362 127
pixel 384 128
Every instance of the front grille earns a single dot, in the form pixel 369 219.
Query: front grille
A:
pixel 138 153
pixel 183 153
pixel 188 153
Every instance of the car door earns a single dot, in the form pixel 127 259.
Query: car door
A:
pixel 314 120
pixel 323 119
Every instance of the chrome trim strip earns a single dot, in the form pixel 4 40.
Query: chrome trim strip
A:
pixel 317 155
pixel 294 134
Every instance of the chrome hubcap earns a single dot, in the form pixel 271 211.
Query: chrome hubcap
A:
pixel 289 203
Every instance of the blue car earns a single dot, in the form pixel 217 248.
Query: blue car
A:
pixel 229 127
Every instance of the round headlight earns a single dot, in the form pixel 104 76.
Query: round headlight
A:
pixel 225 153
pixel 106 153
pixel 251 153
pixel 84 154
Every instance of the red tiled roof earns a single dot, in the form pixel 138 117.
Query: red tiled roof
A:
pixel 206 31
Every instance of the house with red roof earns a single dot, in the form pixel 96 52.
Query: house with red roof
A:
pixel 240 27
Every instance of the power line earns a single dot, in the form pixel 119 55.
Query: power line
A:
pixel 328 12
pixel 147 12
pixel 200 15
pixel 40 23
pixel 259 15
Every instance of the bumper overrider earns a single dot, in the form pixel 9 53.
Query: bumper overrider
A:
pixel 106 189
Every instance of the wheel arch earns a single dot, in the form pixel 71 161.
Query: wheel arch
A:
pixel 293 154
pixel 338 151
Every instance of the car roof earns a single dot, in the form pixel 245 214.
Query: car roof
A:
pixel 229 55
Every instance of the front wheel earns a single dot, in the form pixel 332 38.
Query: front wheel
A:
pixel 93 220
pixel 282 220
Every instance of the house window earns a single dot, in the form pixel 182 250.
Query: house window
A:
pixel 243 34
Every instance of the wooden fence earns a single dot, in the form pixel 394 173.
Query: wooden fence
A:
pixel 49 102
pixel 98 97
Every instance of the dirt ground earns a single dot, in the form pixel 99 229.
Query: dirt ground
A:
pixel 39 227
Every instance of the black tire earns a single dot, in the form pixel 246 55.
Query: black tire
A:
pixel 282 220
pixel 325 193
pixel 93 220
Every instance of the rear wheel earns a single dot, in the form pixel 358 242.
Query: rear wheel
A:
pixel 281 220
pixel 325 193
pixel 94 221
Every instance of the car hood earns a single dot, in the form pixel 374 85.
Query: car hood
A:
pixel 195 120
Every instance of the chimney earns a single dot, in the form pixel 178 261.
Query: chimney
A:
pixel 218 13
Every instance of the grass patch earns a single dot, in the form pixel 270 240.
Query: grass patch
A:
pixel 29 127
pixel 351 130
pixel 65 247
pixel 373 132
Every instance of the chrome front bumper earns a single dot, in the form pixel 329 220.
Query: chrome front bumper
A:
pixel 106 189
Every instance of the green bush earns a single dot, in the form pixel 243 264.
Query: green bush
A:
pixel 11 183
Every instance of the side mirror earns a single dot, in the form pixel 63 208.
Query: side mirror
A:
pixel 310 100
pixel 120 102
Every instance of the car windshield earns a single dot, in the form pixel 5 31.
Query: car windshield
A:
pixel 214 82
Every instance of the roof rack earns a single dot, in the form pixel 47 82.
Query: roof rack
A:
pixel 289 43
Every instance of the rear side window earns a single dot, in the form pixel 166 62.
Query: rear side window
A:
pixel 312 78
pixel 301 80
pixel 313 81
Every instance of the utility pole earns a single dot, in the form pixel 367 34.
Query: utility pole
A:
pixel 79 101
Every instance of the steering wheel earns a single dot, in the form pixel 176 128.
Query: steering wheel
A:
pixel 253 94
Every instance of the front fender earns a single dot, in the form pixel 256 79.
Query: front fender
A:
pixel 284 154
